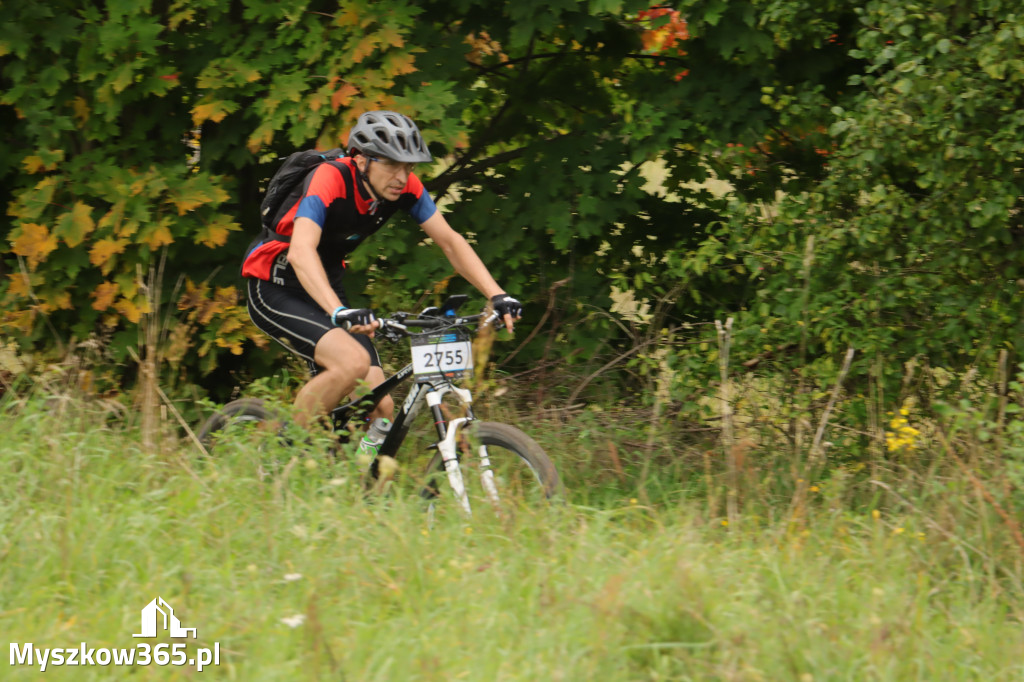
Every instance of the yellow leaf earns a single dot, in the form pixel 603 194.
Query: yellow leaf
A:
pixel 364 48
pixel 391 36
pixel 36 162
pixel 105 249
pixel 158 236
pixel 81 108
pixel 215 233
pixel 103 295
pixel 131 312
pixel 212 111
pixel 263 135
pixel 186 204
pixel 127 228
pixel 62 301
pixel 114 216
pixel 351 16
pixel 76 224
pixel 22 320
pixel 343 96
pixel 34 243
pixel 122 78
pixel 195 193
pixel 19 286
pixel 181 17
pixel 33 164
pixel 138 187
pixel 400 64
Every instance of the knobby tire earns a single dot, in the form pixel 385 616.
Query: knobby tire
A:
pixel 498 438
pixel 243 410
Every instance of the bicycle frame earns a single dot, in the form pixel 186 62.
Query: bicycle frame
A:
pixel 432 395
pixel 433 369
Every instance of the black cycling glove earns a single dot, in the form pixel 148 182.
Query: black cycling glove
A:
pixel 506 305
pixel 346 318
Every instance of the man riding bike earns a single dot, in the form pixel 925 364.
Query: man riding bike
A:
pixel 295 270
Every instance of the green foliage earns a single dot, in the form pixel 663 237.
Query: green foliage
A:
pixel 875 195
pixel 926 183
pixel 831 174
pixel 918 225
pixel 140 129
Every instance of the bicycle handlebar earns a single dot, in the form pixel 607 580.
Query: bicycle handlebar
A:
pixel 398 324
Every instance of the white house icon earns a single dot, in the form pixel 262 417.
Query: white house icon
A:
pixel 150 621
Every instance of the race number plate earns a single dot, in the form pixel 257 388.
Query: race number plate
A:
pixel 446 355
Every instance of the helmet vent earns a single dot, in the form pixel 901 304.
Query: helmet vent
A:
pixel 391 135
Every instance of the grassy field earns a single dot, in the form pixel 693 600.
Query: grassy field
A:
pixel 298 576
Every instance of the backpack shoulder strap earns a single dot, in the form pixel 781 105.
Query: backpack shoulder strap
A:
pixel 346 175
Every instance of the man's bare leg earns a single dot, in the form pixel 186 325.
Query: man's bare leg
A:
pixel 343 362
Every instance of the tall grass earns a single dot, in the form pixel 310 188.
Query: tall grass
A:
pixel 299 576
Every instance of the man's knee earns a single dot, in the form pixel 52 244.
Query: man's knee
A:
pixel 338 352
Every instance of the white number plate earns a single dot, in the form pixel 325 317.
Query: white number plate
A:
pixel 441 356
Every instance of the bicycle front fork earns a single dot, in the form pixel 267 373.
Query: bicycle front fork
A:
pixel 448 432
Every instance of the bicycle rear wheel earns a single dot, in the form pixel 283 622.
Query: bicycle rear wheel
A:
pixel 501 467
pixel 235 417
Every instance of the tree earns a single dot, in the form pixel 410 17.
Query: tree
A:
pixel 881 135
pixel 909 243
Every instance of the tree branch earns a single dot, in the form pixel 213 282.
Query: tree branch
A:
pixel 555 55
pixel 456 174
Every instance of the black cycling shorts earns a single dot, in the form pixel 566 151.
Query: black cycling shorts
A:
pixel 291 317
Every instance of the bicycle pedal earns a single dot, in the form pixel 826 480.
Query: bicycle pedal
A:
pixel 385 469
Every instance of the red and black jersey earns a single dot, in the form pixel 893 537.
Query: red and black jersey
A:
pixel 344 210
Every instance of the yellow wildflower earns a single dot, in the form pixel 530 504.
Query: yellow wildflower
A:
pixel 902 437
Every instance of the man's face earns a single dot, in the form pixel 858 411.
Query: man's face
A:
pixel 388 178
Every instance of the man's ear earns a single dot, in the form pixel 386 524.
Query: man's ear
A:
pixel 360 161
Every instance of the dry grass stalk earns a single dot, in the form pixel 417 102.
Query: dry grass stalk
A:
pixel 817 453
pixel 724 344
pixel 1008 520
pixel 1003 396
pixel 149 338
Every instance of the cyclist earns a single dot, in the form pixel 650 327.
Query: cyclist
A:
pixel 294 272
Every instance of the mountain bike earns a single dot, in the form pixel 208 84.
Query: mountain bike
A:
pixel 480 460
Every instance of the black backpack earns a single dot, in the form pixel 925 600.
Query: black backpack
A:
pixel 288 177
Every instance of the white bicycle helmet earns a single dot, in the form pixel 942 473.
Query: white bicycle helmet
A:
pixel 389 134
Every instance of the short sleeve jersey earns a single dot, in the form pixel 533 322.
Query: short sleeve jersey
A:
pixel 345 212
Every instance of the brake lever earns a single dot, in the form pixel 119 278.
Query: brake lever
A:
pixel 392 330
pixel 493 319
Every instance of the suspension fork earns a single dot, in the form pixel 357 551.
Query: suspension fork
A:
pixel 447 445
pixel 447 433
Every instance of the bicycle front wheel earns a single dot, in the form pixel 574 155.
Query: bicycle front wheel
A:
pixel 501 466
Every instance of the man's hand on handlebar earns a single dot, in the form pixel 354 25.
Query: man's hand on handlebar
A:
pixel 508 309
pixel 355 320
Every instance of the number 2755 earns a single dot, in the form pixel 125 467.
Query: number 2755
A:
pixel 446 358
